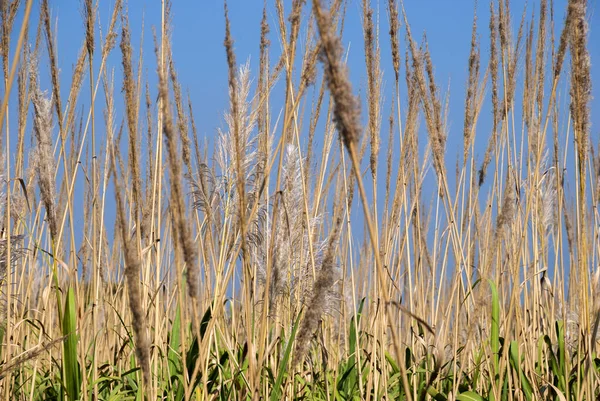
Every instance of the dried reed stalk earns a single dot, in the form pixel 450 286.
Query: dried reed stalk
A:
pixel 180 223
pixel 132 277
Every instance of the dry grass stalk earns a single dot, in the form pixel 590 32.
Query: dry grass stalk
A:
pixel 540 56
pixel 346 108
pixel 510 60
pixel 373 84
pixel 580 114
pixel 16 253
pixel 182 122
pixel 346 116
pixel 180 223
pixel 410 151
pixel 263 75
pixel 472 86
pixel 309 64
pixel 76 83
pixel 509 202
pixel 240 169
pixel 563 42
pixel 23 107
pixel 8 12
pixel 528 84
pixel 294 20
pixel 29 355
pixel 199 158
pixel 428 93
pixel 89 15
pixel 147 209
pixel 131 107
pixel 111 37
pixel 493 65
pixel 389 165
pixel 45 14
pixel 581 87
pixel 132 276
pixel 313 126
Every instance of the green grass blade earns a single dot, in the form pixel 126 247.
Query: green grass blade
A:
pixel 555 365
pixel 354 347
pixel 276 394
pixel 495 329
pixel 436 395
pixel 174 356
pixel 515 362
pixel 560 334
pixel 469 396
pixel 214 374
pixel 353 339
pixel 194 350
pixel 70 363
pixel 393 365
pixel 2 330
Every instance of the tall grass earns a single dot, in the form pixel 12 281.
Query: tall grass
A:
pixel 240 268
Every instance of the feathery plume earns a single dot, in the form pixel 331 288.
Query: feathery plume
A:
pixel 346 109
pixel 89 15
pixel 43 156
pixel 323 284
pixel 373 84
pixel 581 83
pixel 131 108
pixel 509 204
pixel 394 28
pixel 182 122
pixel 540 56
pixel 494 62
pixel 472 84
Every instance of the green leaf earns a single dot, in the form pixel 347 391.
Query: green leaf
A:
pixel 495 329
pixel 354 344
pixel 436 395
pixel 560 334
pixel 214 374
pixel 174 356
pixel 194 351
pixel 70 363
pixel 205 321
pixel 469 396
pixel 478 366
pixel 276 394
pixel 1 339
pixel 515 362
pixel 560 370
pixel 393 365
pixel 343 385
